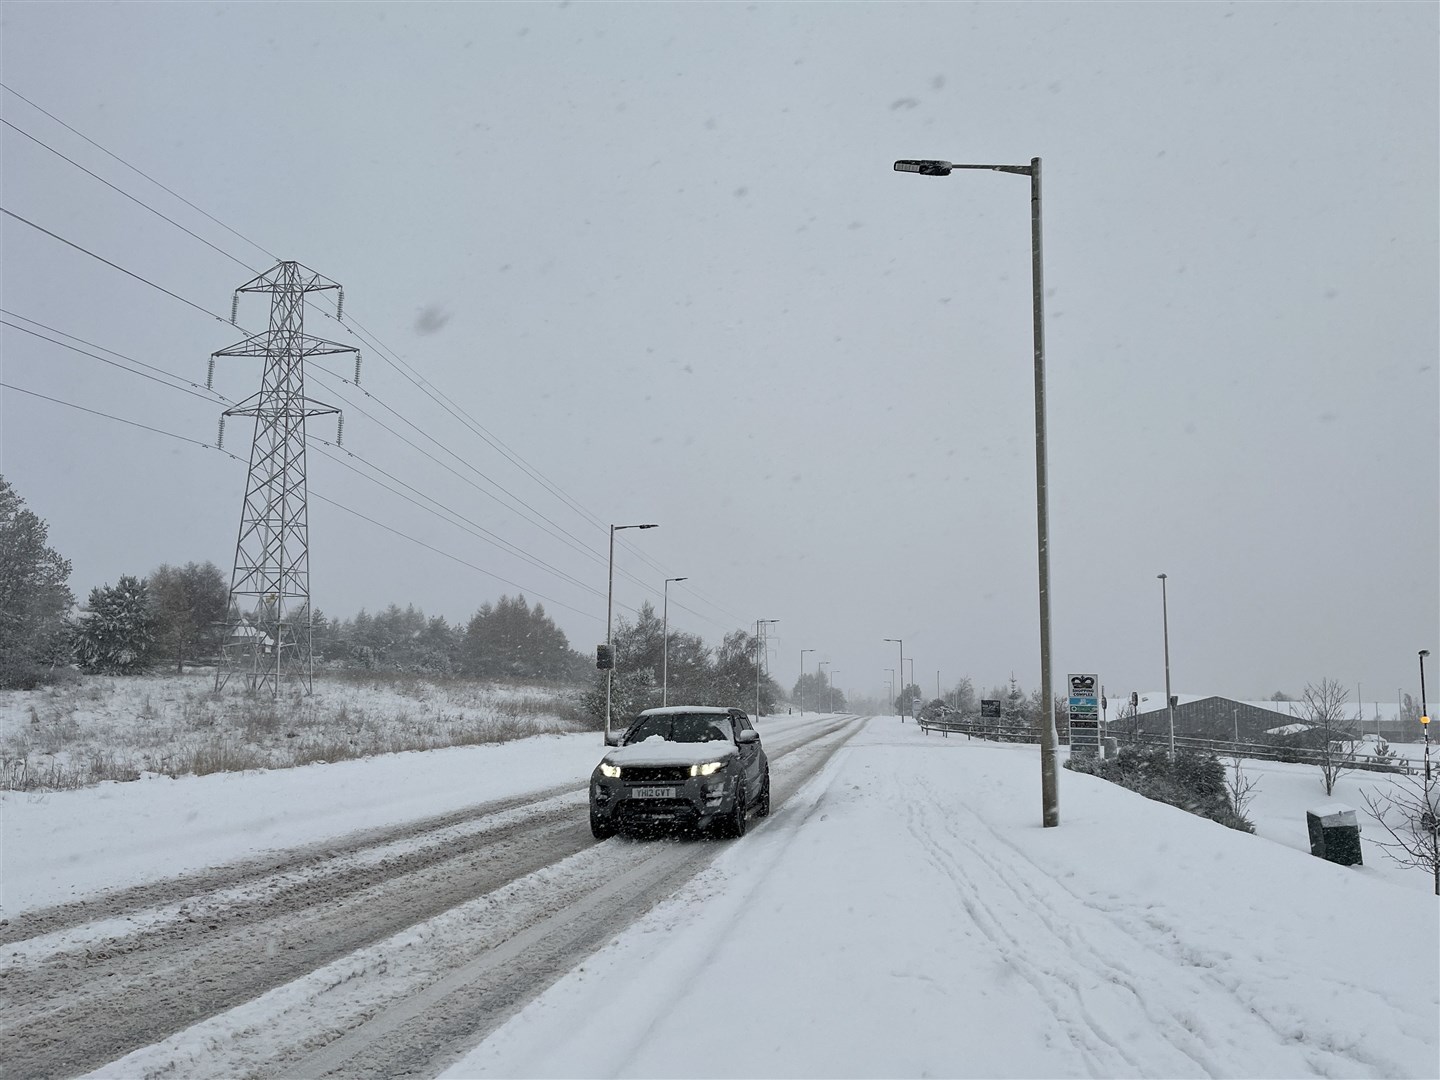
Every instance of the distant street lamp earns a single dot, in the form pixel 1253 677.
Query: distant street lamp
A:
pixel 1169 701
pixel 802 680
pixel 665 648
pixel 609 608
pixel 1049 782
pixel 759 625
pixel 901 676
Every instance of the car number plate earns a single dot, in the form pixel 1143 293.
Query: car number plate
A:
pixel 652 793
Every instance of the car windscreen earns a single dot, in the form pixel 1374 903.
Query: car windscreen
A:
pixel 683 728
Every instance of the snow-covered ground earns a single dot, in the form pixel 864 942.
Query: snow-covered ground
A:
pixel 903 915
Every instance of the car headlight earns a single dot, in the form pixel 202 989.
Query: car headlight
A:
pixel 612 771
pixel 708 769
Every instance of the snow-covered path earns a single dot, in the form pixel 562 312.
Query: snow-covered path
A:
pixel 907 916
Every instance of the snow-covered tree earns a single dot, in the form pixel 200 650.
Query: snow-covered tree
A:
pixel 115 634
pixel 34 596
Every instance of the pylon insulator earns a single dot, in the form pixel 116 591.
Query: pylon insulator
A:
pixel 210 375
pixel 220 435
pixel 234 308
pixel 340 431
pixel 357 367
pixel 340 306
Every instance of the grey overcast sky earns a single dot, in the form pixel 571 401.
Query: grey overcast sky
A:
pixel 658 252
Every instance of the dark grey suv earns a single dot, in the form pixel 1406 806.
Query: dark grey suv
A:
pixel 685 766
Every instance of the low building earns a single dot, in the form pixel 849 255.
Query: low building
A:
pixel 1217 717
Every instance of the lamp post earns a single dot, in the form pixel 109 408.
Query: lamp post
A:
pixel 1424 712
pixel 1049 789
pixel 609 608
pixel 760 624
pixel 1169 701
pixel 665 647
pixel 900 676
pixel 833 702
pixel 802 679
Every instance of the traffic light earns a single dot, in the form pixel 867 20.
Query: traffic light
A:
pixel 604 657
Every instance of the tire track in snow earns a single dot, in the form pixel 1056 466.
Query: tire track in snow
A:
pixel 1102 1052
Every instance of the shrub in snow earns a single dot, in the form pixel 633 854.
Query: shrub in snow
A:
pixel 1193 781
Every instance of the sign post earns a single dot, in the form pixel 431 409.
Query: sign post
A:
pixel 1084 715
pixel 990 710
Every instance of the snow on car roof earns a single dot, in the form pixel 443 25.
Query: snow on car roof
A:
pixel 671 710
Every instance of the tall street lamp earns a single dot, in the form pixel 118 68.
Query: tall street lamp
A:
pixel 760 625
pixel 1049 783
pixel 900 677
pixel 609 609
pixel 665 647
pixel 1424 712
pixel 802 680
pixel 1169 701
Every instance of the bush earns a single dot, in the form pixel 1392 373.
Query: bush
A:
pixel 1194 781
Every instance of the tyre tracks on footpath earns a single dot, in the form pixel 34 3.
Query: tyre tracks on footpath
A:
pixel 493 902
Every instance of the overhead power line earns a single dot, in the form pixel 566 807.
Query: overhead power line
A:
pixel 198 391
pixel 114 266
pixel 122 191
pixel 120 420
pixel 138 171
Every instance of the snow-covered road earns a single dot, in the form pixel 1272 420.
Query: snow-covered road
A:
pixel 900 914
pixel 369 953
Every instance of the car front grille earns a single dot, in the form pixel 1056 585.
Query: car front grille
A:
pixel 655 774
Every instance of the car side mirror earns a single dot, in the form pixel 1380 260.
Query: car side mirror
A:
pixel 612 738
pixel 746 737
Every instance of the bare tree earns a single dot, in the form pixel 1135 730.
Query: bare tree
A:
pixel 1242 788
pixel 1409 812
pixel 1324 709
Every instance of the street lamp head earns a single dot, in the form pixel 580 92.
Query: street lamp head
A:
pixel 677 579
pixel 1162 577
pixel 924 168
pixel 1424 652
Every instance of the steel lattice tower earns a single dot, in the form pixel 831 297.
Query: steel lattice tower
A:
pixel 269 639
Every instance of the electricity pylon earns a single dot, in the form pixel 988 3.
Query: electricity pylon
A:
pixel 268 639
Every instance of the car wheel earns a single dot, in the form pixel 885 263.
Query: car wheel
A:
pixel 601 828
pixel 762 808
pixel 738 817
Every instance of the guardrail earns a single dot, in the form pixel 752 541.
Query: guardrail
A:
pixel 1000 731
pixel 979 729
